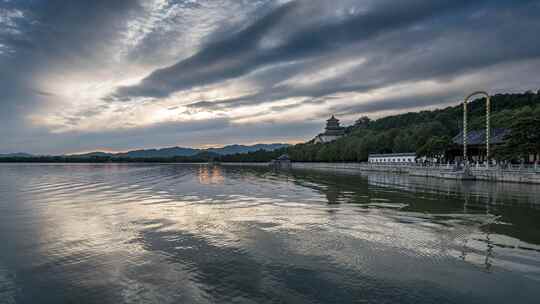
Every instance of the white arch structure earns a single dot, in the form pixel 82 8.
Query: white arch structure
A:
pixel 488 102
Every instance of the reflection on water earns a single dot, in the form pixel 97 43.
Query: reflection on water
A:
pixel 114 233
pixel 210 175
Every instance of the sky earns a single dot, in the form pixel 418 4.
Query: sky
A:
pixel 79 76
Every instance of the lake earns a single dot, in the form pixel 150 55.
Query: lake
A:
pixel 179 233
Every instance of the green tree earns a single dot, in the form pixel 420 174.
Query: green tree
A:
pixel 523 139
pixel 435 147
pixel 404 142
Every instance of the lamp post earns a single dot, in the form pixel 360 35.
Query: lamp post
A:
pixel 488 105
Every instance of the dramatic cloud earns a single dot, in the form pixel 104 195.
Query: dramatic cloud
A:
pixel 83 75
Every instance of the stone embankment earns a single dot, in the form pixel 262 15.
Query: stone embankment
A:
pixel 514 174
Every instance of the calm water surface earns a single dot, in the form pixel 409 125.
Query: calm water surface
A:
pixel 114 233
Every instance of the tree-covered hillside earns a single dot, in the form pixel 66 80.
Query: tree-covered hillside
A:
pixel 425 132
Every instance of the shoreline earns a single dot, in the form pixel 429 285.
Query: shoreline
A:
pixel 531 176
pixel 441 172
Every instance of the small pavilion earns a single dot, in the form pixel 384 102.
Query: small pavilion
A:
pixel 476 144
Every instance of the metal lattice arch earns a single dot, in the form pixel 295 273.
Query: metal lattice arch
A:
pixel 488 102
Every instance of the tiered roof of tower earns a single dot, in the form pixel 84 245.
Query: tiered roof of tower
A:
pixel 333 127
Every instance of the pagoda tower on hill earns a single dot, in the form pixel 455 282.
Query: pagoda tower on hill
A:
pixel 332 131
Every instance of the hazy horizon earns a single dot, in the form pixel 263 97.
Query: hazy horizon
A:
pixel 114 76
pixel 149 148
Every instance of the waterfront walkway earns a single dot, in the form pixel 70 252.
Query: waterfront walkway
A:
pixel 496 173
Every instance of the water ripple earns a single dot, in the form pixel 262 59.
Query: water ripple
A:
pixel 207 234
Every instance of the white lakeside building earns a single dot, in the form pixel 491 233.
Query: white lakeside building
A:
pixel 392 158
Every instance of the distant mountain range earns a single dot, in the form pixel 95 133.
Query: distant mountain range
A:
pixel 16 155
pixel 180 151
pixel 170 152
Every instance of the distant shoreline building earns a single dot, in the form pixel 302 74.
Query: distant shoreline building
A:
pixel 332 131
pixel 281 163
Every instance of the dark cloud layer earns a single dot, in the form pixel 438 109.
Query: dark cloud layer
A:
pixel 402 41
pixel 241 53
pixel 312 50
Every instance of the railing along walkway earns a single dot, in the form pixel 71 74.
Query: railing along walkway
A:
pixel 524 168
